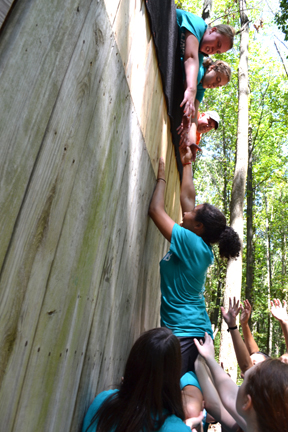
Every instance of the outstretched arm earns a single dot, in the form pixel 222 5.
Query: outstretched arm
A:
pixel 213 404
pixel 226 388
pixel 187 193
pixel 191 65
pixel 188 129
pixel 248 338
pixel 157 210
pixel 280 313
pixel 242 354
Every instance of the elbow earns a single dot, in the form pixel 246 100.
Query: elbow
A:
pixel 152 212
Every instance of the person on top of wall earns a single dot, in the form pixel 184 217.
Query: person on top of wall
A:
pixel 183 269
pixel 197 40
pixel 215 74
pixel 149 396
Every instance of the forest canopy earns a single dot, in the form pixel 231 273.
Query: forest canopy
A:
pixel 266 196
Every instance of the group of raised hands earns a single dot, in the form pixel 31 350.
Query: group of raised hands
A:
pixel 219 391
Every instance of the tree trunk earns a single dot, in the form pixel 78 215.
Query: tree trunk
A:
pixel 234 267
pixel 250 200
pixel 269 278
pixel 283 259
pixel 207 9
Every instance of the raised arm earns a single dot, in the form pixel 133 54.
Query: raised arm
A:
pixel 242 354
pixel 213 404
pixel 226 388
pixel 280 313
pixel 188 129
pixel 157 209
pixel 248 338
pixel 187 193
pixel 191 65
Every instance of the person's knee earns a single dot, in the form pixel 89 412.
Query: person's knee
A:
pixel 192 401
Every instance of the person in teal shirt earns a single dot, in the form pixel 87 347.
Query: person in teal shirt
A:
pixel 149 397
pixel 197 40
pixel 183 269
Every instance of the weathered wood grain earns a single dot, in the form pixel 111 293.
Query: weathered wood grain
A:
pixel 5 6
pixel 79 255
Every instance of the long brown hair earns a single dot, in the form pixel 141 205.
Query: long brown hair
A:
pixel 150 391
pixel 268 387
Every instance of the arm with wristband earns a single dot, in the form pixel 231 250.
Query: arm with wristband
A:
pixel 242 354
pixel 248 338
pixel 187 193
pixel 157 206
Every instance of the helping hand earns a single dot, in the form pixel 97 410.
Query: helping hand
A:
pixel 279 312
pixel 161 169
pixel 188 101
pixel 246 312
pixel 231 314
pixel 194 421
pixel 206 349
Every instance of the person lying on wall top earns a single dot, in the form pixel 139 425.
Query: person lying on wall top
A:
pixel 196 41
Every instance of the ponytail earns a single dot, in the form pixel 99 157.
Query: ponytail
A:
pixel 216 231
pixel 229 243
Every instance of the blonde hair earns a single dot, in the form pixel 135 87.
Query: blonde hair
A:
pixel 219 66
pixel 226 30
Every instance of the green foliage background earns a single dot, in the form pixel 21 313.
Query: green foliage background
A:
pixel 214 168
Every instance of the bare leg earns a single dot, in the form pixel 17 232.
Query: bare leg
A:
pixel 192 401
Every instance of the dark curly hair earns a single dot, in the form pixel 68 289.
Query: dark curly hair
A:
pixel 216 231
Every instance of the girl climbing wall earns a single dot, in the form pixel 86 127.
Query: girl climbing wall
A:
pixel 183 269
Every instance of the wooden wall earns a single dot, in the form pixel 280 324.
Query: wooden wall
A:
pixel 83 123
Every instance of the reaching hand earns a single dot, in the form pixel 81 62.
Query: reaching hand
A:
pixel 246 312
pixel 231 314
pixel 161 169
pixel 185 154
pixel 284 358
pixel 194 421
pixel 279 312
pixel 206 349
pixel 185 125
pixel 188 102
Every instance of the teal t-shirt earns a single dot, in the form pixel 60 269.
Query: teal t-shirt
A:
pixel 183 274
pixel 189 378
pixel 196 26
pixel 171 424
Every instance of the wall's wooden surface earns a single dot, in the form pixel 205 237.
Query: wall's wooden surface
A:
pixel 82 125
pixel 5 6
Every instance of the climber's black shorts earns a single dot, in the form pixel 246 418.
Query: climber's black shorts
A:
pixel 189 353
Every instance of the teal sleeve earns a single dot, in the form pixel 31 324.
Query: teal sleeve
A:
pixel 189 378
pixel 200 89
pixel 192 23
pixel 173 424
pixel 94 408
